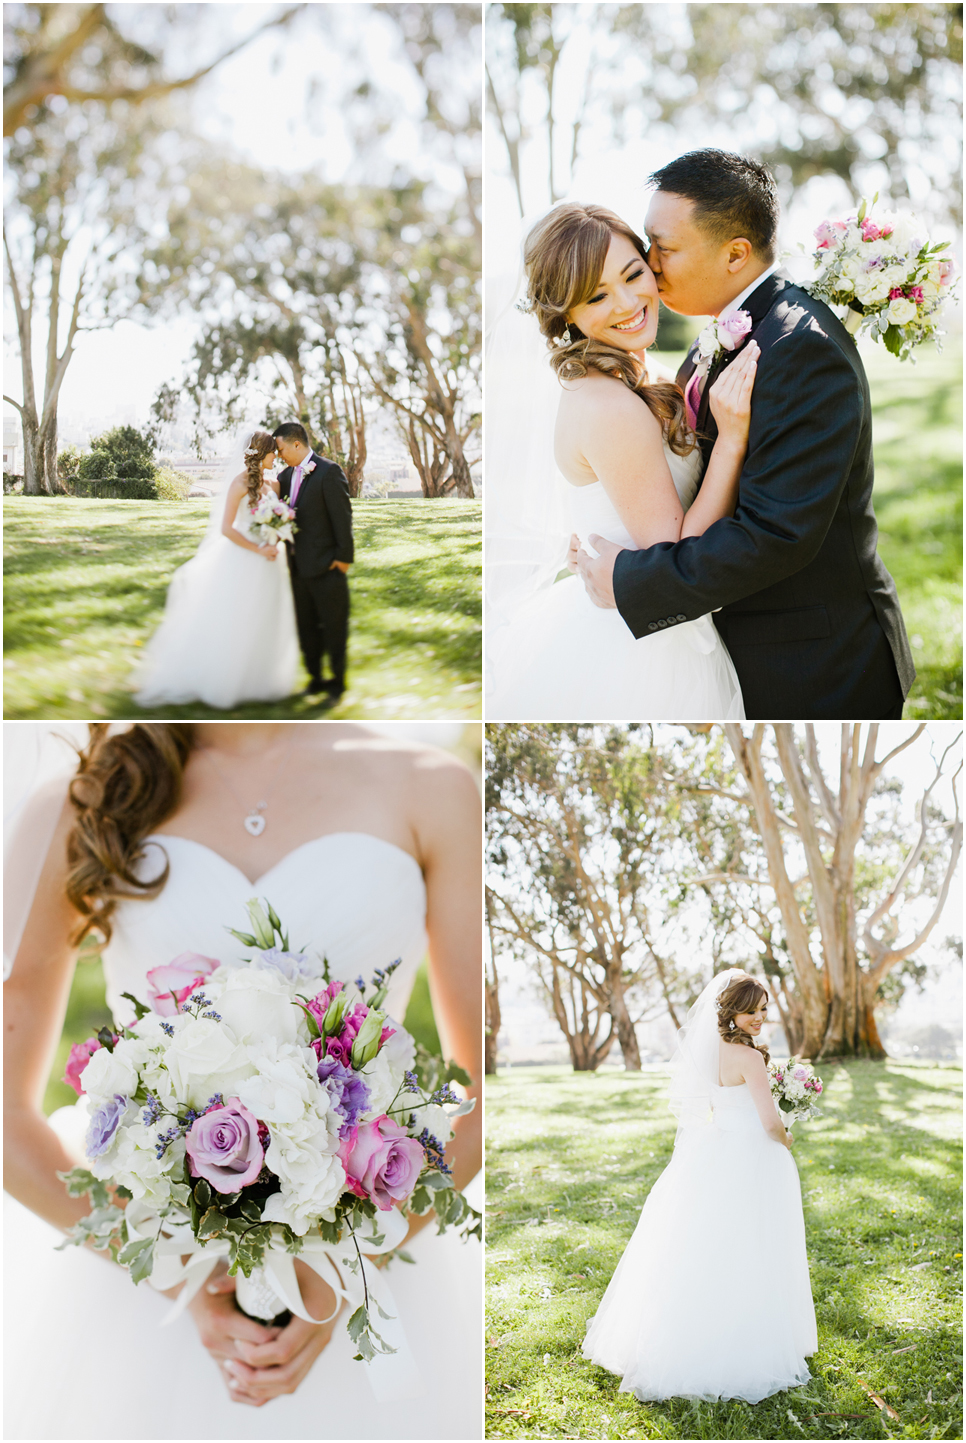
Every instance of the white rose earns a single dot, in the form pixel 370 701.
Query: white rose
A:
pixel 256 1003
pixel 901 311
pixel 383 1075
pixel 108 1073
pixel 285 1085
pixel 872 287
pixel 852 267
pixel 707 342
pixel 204 1058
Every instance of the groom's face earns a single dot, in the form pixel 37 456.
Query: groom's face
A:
pixel 291 452
pixel 697 274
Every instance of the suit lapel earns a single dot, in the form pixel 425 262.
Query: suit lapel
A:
pixel 758 304
pixel 305 479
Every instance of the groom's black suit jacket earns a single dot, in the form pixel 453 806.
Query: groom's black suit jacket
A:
pixel 323 516
pixel 807 610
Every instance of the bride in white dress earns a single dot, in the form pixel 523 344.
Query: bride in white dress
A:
pixel 369 845
pixel 623 443
pixel 228 633
pixel 712 1298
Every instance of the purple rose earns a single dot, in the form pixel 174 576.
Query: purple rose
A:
pixel 104 1124
pixel 224 1147
pixel 346 1089
pixel 381 1162
pixel 733 329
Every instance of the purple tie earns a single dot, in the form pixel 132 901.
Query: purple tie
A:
pixel 296 483
pixel 692 399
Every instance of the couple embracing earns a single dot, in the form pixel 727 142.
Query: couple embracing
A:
pixel 239 611
pixel 725 555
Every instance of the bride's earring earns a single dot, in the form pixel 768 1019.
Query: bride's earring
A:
pixel 565 339
pixel 731 1025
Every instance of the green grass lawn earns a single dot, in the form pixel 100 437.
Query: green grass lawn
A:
pixel 918 499
pixel 571 1158
pixel 85 589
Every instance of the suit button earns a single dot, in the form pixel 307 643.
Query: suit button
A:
pixel 652 626
pixel 662 623
pixel 681 616
pixel 671 620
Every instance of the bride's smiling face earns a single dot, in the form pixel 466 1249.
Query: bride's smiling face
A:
pixel 623 309
pixel 752 1022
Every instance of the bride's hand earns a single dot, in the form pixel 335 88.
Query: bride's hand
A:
pixel 224 1329
pixel 269 552
pixel 267 1370
pixel 730 396
pixel 572 553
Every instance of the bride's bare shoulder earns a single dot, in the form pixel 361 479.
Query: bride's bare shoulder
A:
pixel 404 760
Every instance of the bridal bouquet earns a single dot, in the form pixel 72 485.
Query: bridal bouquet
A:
pixel 273 520
pixel 891 279
pixel 258 1110
pixel 794 1086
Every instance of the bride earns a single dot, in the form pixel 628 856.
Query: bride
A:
pixel 228 632
pixel 712 1297
pixel 624 444
pixel 367 846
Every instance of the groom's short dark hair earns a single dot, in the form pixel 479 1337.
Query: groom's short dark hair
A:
pixel 732 196
pixel 291 431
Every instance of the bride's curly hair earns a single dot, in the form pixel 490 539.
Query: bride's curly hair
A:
pixel 125 786
pixel 258 448
pixel 744 994
pixel 564 256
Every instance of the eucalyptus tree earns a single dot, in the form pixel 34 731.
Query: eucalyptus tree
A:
pixel 72 233
pixel 578 850
pixel 812 862
pixel 77 54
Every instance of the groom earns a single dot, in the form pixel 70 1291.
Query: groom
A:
pixel 320 555
pixel 804 604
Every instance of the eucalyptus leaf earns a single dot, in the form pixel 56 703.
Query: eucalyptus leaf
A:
pixel 139 1008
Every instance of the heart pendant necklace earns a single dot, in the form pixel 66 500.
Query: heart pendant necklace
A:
pixel 255 822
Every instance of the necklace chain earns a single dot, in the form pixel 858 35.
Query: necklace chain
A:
pixel 255 820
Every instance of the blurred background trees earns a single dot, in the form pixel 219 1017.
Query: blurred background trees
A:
pixel 322 299
pixel 627 864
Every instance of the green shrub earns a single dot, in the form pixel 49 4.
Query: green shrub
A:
pixel 126 488
pixel 131 452
pixel 172 485
pixel 68 462
pixel 11 483
pixel 96 466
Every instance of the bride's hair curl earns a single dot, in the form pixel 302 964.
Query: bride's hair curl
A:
pixel 126 785
pixel 564 256
pixel 257 449
pixel 744 994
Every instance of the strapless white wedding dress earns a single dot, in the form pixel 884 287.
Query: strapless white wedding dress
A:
pixel 564 659
pixel 228 632
pixel 85 1354
pixel 711 1298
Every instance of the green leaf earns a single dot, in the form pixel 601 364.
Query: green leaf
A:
pixel 272 917
pixel 106 1038
pixel 213 1222
pixel 314 1030
pixel 202 1193
pixel 331 1232
pixel 79 1181
pixel 455 1073
pixel 139 1008
pixel 892 340
pixel 132 1250
pixel 180 1193
pixel 251 1211
pixel 246 939
pixel 125 1192
pixel 421 1201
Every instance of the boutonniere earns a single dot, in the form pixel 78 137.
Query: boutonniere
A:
pixel 720 336
pixel 309 469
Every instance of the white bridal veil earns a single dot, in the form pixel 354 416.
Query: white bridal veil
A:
pixel 694 1066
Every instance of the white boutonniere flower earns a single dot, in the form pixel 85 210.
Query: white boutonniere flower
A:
pixel 720 336
pixel 309 469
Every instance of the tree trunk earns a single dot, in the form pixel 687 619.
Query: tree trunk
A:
pixel 492 1000
pixel 34 481
pixel 626 1036
pixel 461 479
pixel 429 460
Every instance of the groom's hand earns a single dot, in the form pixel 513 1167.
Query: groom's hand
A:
pixel 342 566
pixel 597 573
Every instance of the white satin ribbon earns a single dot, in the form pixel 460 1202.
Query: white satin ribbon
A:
pixel 392 1376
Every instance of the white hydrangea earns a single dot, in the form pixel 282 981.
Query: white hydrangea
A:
pixel 303 1157
pixel 285 1088
pixel 384 1074
pixel 205 1058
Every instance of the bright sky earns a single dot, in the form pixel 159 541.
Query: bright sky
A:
pixel 278 103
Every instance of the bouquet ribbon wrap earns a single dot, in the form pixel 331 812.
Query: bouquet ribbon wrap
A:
pixel 393 1376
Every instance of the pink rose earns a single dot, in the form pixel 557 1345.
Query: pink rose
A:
pixel 733 329
pixel 179 977
pixel 870 231
pixel 381 1162
pixel 945 272
pixel 829 233
pixel 225 1148
pixel 80 1055
pixel 914 293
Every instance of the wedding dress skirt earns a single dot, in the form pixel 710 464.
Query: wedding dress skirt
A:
pixel 228 632
pixel 85 1354
pixel 711 1298
pixel 564 659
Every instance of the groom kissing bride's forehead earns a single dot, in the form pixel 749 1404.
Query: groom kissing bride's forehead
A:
pixel 808 611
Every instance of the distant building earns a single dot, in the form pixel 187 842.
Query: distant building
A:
pixel 12 447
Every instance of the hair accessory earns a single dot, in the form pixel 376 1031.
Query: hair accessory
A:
pixel 525 306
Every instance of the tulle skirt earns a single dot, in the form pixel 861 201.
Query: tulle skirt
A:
pixel 228 632
pixel 564 659
pixel 86 1356
pixel 711 1298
